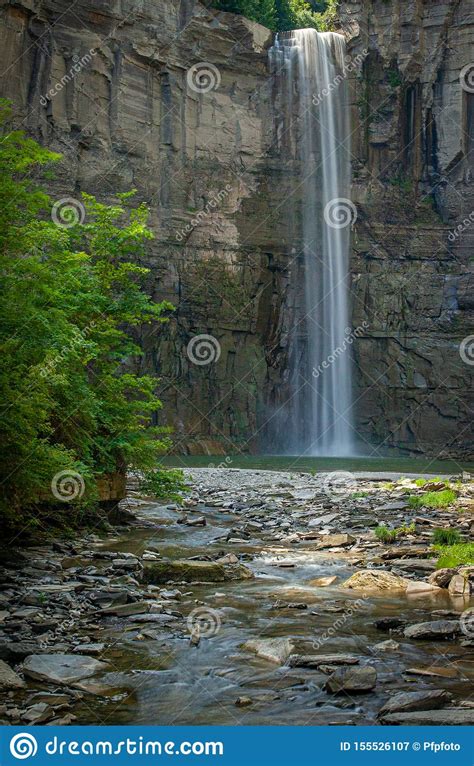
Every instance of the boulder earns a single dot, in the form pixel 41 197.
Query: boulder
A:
pixel 371 579
pixel 323 582
pixel 438 629
pixel 352 680
pixel 183 570
pixel 8 678
pixel 61 668
pixel 404 702
pixel 460 586
pixel 272 649
pixel 442 577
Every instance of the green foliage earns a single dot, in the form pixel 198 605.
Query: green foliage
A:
pixel 446 537
pixel 164 484
pixel 281 15
pixel 441 499
pixel 386 535
pixel 70 399
pixel 455 555
pixel 394 78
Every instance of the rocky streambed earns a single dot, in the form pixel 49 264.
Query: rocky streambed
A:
pixel 265 599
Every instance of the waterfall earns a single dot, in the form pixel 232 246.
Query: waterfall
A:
pixel 314 414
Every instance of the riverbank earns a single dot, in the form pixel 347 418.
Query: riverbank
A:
pixel 266 598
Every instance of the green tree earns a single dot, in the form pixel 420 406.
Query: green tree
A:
pixel 69 294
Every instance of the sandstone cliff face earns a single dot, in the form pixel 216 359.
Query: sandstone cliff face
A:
pixel 215 171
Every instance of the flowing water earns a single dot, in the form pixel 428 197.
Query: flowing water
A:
pixel 309 69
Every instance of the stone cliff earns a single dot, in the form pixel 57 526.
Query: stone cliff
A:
pixel 113 85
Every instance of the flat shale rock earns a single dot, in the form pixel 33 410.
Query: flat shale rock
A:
pixel 352 680
pixel 416 587
pixel 445 717
pixel 316 660
pixel 405 702
pixel 61 668
pixel 8 678
pixel 335 541
pixel 272 649
pixel 438 629
pixel 183 570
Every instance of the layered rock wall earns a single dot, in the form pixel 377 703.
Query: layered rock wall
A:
pixel 108 83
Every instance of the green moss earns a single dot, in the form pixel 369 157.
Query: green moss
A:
pixel 441 499
pixel 455 555
pixel 394 78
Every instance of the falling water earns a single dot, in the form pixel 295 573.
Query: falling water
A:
pixel 315 417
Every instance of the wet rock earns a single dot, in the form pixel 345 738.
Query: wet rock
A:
pixel 38 713
pixel 195 571
pixel 272 649
pixel 323 582
pixel 61 668
pixel 416 587
pixel 352 680
pixel 8 678
pixel 126 610
pixel 389 623
pixel 370 579
pixel 387 646
pixel 445 717
pixel 316 660
pixel 243 701
pixel 441 577
pixel 335 541
pixel 460 586
pixel 438 629
pixel 434 671
pixel 89 649
pixel 404 702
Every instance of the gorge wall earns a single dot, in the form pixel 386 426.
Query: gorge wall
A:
pixel 218 173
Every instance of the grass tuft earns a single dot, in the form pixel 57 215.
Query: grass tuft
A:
pixel 455 555
pixel 441 499
pixel 446 536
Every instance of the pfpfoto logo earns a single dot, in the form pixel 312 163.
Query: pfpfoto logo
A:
pixel 23 746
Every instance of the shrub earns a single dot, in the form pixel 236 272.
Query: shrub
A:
pixel 446 537
pixel 163 484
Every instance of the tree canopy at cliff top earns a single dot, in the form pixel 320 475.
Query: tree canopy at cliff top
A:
pixel 281 15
